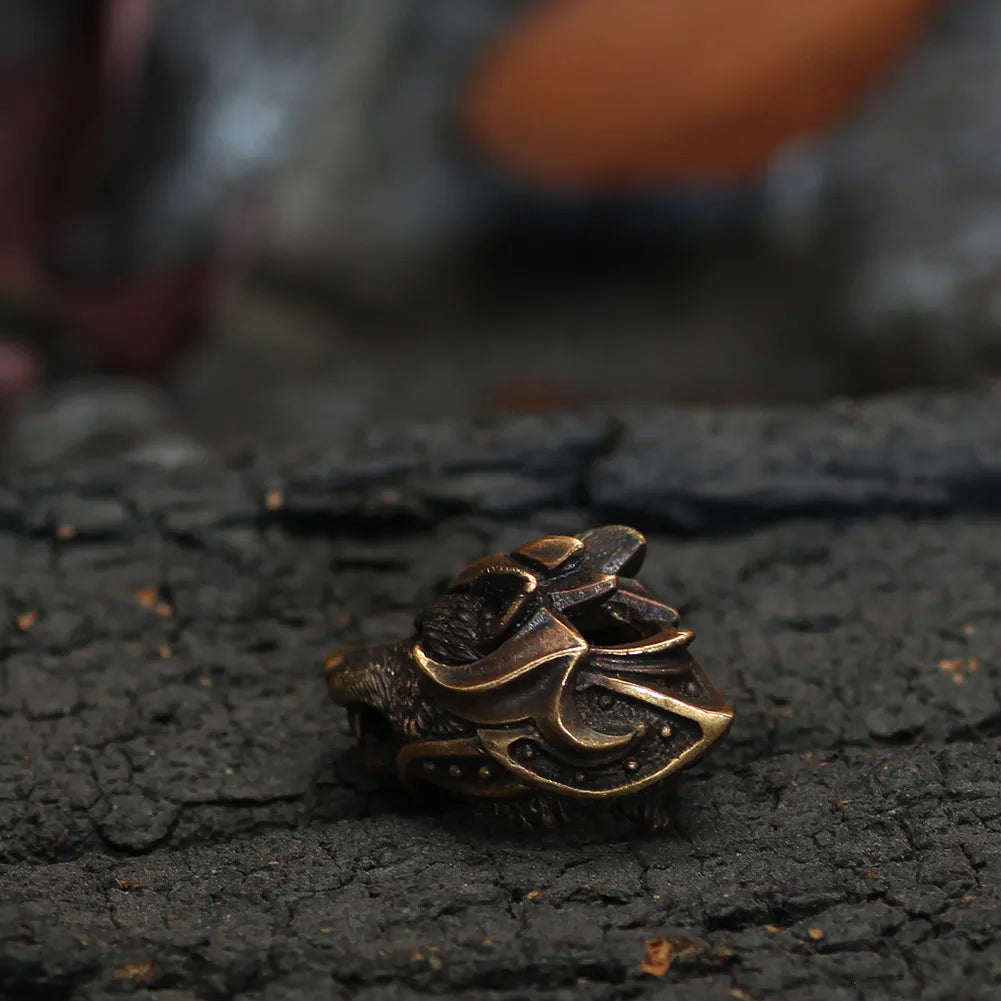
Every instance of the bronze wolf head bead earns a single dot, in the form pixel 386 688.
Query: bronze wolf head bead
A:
pixel 543 679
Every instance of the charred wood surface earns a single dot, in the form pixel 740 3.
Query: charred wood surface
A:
pixel 178 812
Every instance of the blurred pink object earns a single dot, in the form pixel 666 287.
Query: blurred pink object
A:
pixel 60 112
pixel 46 115
pixel 20 370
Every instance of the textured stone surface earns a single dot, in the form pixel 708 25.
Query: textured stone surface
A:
pixel 178 813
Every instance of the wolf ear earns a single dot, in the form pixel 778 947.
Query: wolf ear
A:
pixel 499 588
pixel 615 549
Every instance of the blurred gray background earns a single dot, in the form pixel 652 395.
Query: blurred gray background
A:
pixel 395 271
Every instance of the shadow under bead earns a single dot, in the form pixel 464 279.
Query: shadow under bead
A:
pixel 544 681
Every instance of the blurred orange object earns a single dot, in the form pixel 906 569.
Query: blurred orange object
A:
pixel 629 92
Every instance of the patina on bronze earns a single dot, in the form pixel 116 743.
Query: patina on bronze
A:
pixel 541 679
